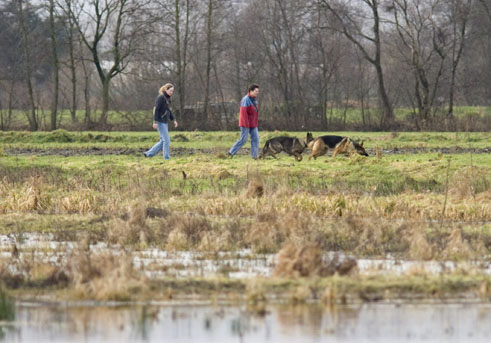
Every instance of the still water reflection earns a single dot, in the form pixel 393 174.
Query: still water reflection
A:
pixel 309 323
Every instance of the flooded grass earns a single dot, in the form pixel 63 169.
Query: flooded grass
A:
pixel 100 226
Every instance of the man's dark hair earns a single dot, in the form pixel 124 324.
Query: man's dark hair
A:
pixel 252 87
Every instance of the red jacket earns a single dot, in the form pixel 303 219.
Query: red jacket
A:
pixel 249 112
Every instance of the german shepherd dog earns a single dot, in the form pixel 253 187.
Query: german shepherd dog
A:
pixel 340 144
pixel 290 145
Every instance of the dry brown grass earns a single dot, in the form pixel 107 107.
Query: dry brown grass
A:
pixel 419 248
pixel 103 276
pixel 33 195
pixel 188 231
pixel 378 152
pixel 263 239
pixel 82 202
pixel 308 261
pixel 132 231
pixel 26 271
pixel 305 261
pixel 457 248
pixel 213 209
pixel 409 205
pixel 468 182
pixel 110 277
pixel 221 173
pixel 255 188
pixel 271 229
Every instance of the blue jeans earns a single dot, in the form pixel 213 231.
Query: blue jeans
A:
pixel 244 135
pixel 163 144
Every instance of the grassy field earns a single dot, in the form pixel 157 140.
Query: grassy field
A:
pixel 224 139
pixel 419 196
pixel 143 118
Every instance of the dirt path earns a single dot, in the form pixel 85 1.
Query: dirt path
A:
pixel 214 151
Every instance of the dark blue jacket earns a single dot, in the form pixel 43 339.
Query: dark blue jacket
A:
pixel 162 112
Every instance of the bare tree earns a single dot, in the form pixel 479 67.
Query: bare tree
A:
pixel 426 44
pixel 458 15
pixel 31 116
pixel 325 54
pixel 56 65
pixel 110 31
pixel 182 45
pixel 66 6
pixel 486 4
pixel 247 62
pixel 209 40
pixel 176 23
pixel 350 20
pixel 281 33
pixel 11 61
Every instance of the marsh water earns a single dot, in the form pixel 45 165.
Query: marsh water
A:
pixel 369 322
pixel 201 321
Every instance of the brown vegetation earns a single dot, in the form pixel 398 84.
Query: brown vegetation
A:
pixel 308 261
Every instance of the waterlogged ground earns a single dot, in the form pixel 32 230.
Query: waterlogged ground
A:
pixel 99 243
pixel 243 264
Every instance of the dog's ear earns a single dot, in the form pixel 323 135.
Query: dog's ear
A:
pixel 361 144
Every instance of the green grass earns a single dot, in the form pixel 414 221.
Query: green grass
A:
pixel 144 117
pixel 390 174
pixel 224 139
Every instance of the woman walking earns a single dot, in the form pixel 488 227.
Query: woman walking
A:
pixel 161 116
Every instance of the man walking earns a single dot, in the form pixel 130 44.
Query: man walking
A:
pixel 248 121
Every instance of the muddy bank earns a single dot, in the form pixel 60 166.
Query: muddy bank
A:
pixel 214 151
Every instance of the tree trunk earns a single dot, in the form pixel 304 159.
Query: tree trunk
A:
pixel 181 57
pixel 73 67
pixel 297 93
pixel 105 102
pixel 387 111
pixel 224 109
pixel 2 119
pixel 464 12
pixel 87 119
pixel 33 123
pixel 56 66
pixel 209 31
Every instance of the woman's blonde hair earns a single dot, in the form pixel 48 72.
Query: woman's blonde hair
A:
pixel 165 87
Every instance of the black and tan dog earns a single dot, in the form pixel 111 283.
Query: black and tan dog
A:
pixel 290 145
pixel 340 145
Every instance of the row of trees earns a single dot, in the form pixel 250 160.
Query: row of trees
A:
pixel 310 57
